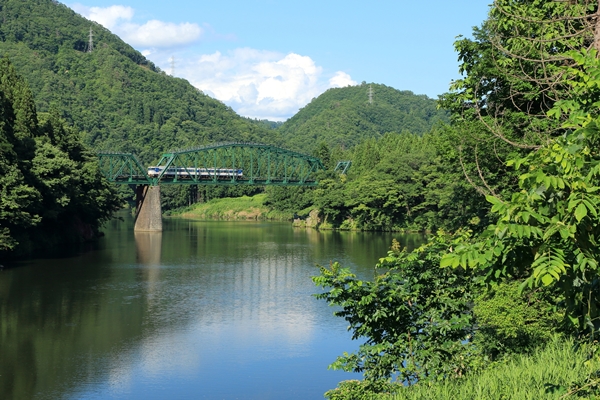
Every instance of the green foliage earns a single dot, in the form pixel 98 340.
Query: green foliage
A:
pixel 288 199
pixel 513 71
pixel 116 98
pixel 49 181
pixel 397 182
pixel 266 123
pixel 513 67
pixel 361 390
pixel 583 79
pixel 529 94
pixel 547 233
pixel 509 322
pixel 414 316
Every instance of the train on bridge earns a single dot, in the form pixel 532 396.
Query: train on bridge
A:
pixel 182 172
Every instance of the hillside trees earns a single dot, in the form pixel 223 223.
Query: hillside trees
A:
pixel 396 182
pixel 343 117
pixel 114 96
pixel 50 184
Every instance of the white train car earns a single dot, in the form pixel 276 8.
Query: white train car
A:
pixel 183 172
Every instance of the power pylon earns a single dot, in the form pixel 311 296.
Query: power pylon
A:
pixel 91 41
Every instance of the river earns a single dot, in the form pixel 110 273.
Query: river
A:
pixel 203 310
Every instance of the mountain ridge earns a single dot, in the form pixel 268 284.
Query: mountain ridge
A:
pixel 113 95
pixel 121 101
pixel 345 116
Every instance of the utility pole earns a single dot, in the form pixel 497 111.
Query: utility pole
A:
pixel 370 95
pixel 91 41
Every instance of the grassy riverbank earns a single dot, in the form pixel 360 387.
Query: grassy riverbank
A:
pixel 560 370
pixel 238 208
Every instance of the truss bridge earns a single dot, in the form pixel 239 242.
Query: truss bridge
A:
pixel 217 164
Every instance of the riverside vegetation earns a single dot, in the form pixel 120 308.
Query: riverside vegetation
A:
pixel 501 302
pixel 507 306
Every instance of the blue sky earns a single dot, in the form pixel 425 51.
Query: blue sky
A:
pixel 268 58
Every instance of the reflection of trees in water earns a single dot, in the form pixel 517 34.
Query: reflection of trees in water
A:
pixel 57 320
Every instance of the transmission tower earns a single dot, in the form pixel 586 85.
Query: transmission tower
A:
pixel 91 41
pixel 370 95
pixel 172 65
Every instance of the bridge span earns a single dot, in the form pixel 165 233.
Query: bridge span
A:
pixel 217 164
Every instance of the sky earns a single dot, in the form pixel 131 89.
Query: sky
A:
pixel 267 59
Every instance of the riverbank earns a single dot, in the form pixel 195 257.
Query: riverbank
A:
pixel 254 208
pixel 232 208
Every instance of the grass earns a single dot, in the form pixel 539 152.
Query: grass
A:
pixel 556 372
pixel 233 208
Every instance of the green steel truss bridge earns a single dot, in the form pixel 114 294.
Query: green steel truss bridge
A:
pixel 218 164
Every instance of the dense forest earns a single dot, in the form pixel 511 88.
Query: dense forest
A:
pixel 343 117
pixel 120 101
pixel 398 182
pixel 51 189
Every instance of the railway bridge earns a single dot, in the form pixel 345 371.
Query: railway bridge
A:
pixel 217 164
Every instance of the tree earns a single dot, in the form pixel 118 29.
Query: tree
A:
pixel 49 181
pixel 415 316
pixel 17 195
pixel 548 233
pixel 514 67
pixel 513 75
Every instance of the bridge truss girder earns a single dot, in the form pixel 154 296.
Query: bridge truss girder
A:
pixel 124 168
pixel 259 164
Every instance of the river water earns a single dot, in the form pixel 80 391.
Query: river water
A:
pixel 203 310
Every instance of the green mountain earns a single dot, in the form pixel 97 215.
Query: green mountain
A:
pixel 113 95
pixel 345 116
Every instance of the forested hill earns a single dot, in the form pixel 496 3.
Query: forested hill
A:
pixel 113 95
pixel 345 116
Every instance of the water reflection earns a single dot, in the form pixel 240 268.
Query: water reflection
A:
pixel 149 247
pixel 202 310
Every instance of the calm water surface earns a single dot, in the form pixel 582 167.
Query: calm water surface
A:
pixel 203 310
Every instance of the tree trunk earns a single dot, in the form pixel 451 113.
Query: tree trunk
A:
pixel 597 30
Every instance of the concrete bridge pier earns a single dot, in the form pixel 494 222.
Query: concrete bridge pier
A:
pixel 148 213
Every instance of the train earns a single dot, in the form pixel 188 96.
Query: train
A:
pixel 183 172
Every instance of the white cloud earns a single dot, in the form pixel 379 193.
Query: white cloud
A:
pixel 255 83
pixel 107 16
pixel 156 33
pixel 341 79
pixel 152 34
pixel 260 84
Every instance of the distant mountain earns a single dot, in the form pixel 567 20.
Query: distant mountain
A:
pixel 266 123
pixel 116 97
pixel 345 116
